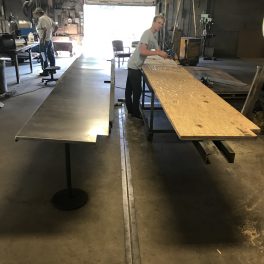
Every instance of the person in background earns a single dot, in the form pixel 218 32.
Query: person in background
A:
pixel 45 28
pixel 148 45
pixel 13 27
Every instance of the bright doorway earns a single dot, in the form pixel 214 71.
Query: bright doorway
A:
pixel 104 23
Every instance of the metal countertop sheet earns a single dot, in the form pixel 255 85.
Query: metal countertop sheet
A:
pixel 77 110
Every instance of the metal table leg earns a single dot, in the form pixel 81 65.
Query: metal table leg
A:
pixel 15 60
pixel 16 67
pixel 30 59
pixel 143 94
pixel 3 84
pixel 151 119
pixel 70 198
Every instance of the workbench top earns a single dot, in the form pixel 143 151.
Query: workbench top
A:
pixel 77 110
pixel 194 110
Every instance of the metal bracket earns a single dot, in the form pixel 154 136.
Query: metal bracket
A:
pixel 206 148
pixel 226 150
pixel 203 150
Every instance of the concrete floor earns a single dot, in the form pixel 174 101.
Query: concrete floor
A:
pixel 187 212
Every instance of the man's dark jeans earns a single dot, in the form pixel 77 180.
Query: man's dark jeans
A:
pixel 133 91
pixel 47 54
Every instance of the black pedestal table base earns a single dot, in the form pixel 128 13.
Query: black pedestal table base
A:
pixel 70 198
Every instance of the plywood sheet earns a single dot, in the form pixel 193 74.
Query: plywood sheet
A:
pixel 193 109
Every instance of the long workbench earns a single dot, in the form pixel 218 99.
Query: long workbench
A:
pixel 76 111
pixel 195 112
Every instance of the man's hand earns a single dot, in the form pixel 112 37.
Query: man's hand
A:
pixel 162 54
pixel 42 40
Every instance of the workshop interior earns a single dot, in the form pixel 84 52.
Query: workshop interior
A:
pixel 84 181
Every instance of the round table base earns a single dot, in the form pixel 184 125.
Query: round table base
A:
pixel 66 200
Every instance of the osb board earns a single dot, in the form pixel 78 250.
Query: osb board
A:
pixel 195 112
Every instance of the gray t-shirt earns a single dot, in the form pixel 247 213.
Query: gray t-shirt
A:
pixel 136 60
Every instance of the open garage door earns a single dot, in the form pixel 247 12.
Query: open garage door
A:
pixel 105 23
pixel 121 2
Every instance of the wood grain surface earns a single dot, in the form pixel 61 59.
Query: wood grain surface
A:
pixel 195 111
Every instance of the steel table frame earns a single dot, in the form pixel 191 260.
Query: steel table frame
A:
pixel 149 124
pixel 13 54
pixel 223 147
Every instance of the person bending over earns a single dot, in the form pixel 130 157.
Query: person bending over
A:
pixel 148 45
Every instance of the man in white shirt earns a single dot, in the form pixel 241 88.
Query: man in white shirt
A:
pixel 45 28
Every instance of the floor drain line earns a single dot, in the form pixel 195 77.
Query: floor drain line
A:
pixel 131 234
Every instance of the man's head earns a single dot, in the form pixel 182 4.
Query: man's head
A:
pixel 158 22
pixel 38 12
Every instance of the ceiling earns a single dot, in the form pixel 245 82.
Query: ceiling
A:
pixel 121 2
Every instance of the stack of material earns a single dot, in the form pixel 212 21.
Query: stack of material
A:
pixel 195 111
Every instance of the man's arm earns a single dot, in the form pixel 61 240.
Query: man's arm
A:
pixel 42 40
pixel 143 50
